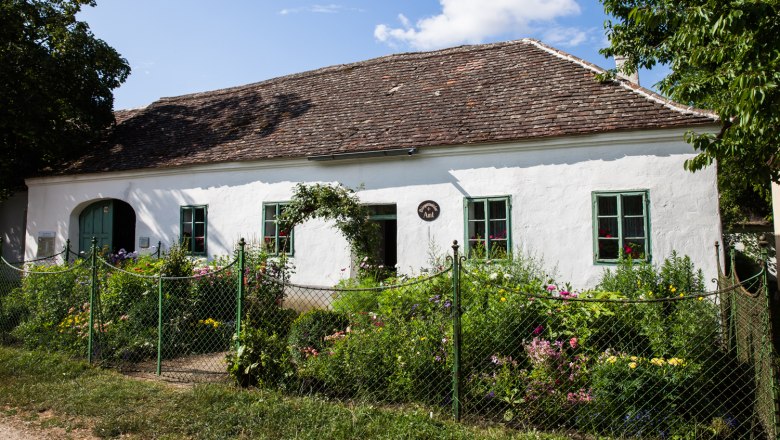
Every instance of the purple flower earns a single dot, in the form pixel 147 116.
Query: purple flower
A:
pixel 447 304
pixel 538 330
pixel 490 395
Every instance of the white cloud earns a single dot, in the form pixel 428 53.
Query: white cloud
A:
pixel 568 37
pixel 473 21
pixel 319 9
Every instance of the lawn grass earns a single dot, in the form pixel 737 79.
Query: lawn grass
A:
pixel 114 405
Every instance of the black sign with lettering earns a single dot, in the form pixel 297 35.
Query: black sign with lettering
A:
pixel 428 210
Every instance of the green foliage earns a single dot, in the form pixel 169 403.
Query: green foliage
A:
pixel 260 360
pixel 337 203
pixel 308 332
pixel 356 295
pixel 177 262
pixel 391 360
pixel 264 294
pixel 56 96
pixel 667 386
pixel 723 57
pixel 680 328
pixel 48 303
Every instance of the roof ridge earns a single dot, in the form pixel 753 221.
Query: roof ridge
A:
pixel 626 84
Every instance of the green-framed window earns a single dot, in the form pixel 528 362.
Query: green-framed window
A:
pixel 276 240
pixel 488 227
pixel 621 225
pixel 193 227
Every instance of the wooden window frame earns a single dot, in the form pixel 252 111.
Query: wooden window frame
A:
pixel 277 207
pixel 620 216
pixel 191 245
pixel 488 240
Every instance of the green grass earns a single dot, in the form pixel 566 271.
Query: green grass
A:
pixel 114 405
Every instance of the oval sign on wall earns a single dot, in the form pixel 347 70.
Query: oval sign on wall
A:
pixel 428 210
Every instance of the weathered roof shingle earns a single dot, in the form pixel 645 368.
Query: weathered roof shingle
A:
pixel 478 94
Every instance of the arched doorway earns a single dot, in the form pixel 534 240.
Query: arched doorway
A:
pixel 111 222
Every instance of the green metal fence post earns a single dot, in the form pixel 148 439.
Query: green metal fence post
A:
pixel 456 312
pixel 1 245
pixel 240 290
pixel 159 323
pixel 67 251
pixel 159 249
pixel 92 295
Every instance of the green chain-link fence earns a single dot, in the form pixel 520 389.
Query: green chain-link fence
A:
pixel 489 341
pixel 748 337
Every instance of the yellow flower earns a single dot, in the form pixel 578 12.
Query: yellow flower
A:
pixel 675 361
pixel 682 295
pixel 423 338
pixel 503 299
pixel 672 288
pixel 634 358
pixel 632 365
pixel 701 298
pixel 657 361
pixel 612 359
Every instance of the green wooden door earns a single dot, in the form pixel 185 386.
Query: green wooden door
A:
pixel 97 220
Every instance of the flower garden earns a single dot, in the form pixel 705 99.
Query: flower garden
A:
pixel 647 354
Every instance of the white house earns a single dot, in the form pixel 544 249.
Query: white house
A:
pixel 515 143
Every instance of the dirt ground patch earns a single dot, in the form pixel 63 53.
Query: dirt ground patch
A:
pixel 43 425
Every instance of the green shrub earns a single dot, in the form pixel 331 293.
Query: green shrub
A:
pixel 356 295
pixel 685 328
pixel 639 396
pixel 355 364
pixel 308 332
pixel 260 360
pixel 45 302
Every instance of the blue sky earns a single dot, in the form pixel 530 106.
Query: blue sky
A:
pixel 183 46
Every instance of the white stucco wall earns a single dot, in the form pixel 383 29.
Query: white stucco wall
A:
pixel 13 213
pixel 549 181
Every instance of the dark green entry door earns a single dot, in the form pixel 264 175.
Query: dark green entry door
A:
pixel 97 220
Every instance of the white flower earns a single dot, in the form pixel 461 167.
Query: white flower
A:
pixel 507 276
pixel 493 276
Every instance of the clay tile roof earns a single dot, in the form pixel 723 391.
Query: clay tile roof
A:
pixel 499 92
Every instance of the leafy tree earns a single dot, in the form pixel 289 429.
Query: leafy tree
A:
pixel 725 56
pixel 56 82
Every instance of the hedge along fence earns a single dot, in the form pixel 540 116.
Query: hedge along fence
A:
pixel 648 355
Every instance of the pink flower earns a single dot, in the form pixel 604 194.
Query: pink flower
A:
pixel 538 330
pixel 551 287
pixel 573 342
pixel 564 293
